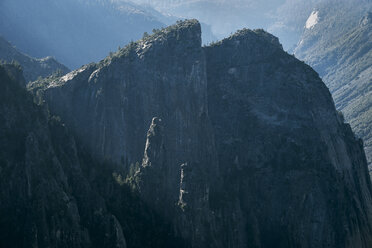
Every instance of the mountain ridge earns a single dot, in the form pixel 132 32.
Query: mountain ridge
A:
pixel 32 68
pixel 90 30
pixel 343 59
pixel 217 136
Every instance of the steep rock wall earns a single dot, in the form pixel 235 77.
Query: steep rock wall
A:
pixel 237 144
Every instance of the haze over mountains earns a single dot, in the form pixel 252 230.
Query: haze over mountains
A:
pixel 284 18
pixel 32 68
pixel 336 44
pixel 103 25
pixel 75 32
pixel 83 31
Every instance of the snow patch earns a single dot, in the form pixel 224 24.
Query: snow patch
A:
pixel 312 20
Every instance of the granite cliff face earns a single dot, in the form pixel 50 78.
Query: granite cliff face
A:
pixel 296 170
pixel 44 197
pixel 53 194
pixel 233 145
pixel 112 106
pixel 339 47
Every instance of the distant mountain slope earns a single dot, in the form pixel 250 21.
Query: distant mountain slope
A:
pixel 283 18
pixel 76 32
pixel 224 16
pixel 338 44
pixel 32 67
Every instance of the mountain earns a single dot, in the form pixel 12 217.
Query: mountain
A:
pixel 277 136
pixel 75 32
pixel 339 46
pixel 32 68
pixel 39 176
pixel 236 144
pixel 284 18
pixel 224 17
pixel 53 194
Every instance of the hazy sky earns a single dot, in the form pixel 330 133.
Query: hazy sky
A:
pixel 284 18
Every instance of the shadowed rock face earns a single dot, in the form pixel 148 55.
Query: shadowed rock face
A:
pixel 110 107
pixel 53 194
pixel 112 104
pixel 46 201
pixel 237 144
pixel 297 171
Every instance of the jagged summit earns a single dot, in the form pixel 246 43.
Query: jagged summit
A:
pixel 158 57
pixel 183 34
pixel 183 29
pixel 191 25
pixel 248 136
pixel 187 31
pixel 90 30
pixel 251 36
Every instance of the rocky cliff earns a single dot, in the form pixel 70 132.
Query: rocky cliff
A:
pixel 296 171
pixel 113 106
pixel 51 193
pixel 43 194
pixel 235 145
pixel 338 46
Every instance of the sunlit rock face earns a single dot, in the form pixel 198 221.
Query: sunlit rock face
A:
pixel 237 144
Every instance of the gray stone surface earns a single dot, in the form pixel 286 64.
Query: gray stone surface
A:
pixel 297 171
pixel 236 145
pixel 46 200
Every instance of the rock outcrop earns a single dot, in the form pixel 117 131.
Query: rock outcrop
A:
pixel 53 194
pixel 234 145
pixel 296 170
pixel 339 48
pixel 113 104
pixel 45 199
